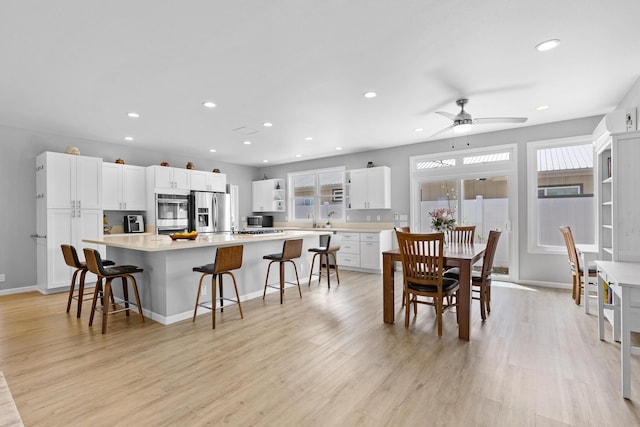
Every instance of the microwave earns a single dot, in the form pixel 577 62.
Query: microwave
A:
pixel 254 221
pixel 260 221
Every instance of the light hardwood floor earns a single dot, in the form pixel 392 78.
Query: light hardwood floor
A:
pixel 324 360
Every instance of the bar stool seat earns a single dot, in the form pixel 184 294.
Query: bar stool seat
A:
pixel 291 249
pixel 325 251
pixel 71 259
pixel 124 272
pixel 227 258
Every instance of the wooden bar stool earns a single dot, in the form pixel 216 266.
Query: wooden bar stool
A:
pixel 325 250
pixel 124 272
pixel 71 258
pixel 291 249
pixel 227 258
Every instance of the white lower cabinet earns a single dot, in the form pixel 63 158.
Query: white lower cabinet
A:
pixel 362 251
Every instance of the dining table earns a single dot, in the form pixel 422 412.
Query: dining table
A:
pixel 461 255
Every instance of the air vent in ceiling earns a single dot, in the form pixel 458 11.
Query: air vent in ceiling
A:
pixel 245 130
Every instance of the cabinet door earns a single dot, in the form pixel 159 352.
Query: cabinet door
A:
pixel 133 188
pixel 88 181
pixel 111 186
pixel 60 173
pixel 358 189
pixel 370 255
pixel 181 178
pixel 218 182
pixel 163 177
pixel 60 223
pixel 261 196
pixel 378 188
pixel 200 181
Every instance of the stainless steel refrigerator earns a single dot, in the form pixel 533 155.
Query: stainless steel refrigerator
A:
pixel 209 212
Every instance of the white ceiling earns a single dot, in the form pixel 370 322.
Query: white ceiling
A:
pixel 76 67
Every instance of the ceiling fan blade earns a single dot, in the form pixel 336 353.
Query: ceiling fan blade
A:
pixel 447 115
pixel 491 120
pixel 448 128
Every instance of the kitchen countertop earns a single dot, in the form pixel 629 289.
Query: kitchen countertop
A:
pixel 152 243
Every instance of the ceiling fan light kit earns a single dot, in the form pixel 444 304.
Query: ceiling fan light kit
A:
pixel 462 121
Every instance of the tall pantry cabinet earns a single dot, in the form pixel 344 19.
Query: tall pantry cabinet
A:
pixel 68 209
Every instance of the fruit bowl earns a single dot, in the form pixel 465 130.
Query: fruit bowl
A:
pixel 185 236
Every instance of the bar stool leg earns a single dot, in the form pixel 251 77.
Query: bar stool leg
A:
pixel 221 294
pixel 96 291
pixel 281 280
pixel 266 281
pixel 313 261
pixel 105 307
pixel 213 300
pixel 335 264
pixel 237 294
pixel 125 293
pixel 135 293
pixel 297 278
pixel 326 264
pixel 71 289
pixel 195 310
pixel 81 292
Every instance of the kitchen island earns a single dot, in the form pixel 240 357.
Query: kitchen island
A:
pixel 168 285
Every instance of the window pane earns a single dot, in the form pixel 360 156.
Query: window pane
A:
pixel 318 196
pixel 565 194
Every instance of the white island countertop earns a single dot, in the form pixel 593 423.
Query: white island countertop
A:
pixel 152 243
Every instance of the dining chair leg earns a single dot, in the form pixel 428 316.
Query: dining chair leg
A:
pixel 483 299
pixel 578 289
pixel 488 298
pixel 439 315
pixel 407 310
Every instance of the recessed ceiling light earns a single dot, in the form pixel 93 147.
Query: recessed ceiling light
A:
pixel 246 142
pixel 128 138
pixel 265 161
pixel 418 129
pixel 298 155
pixel 338 148
pixel 308 138
pixel 547 45
pixel 267 124
pixel 370 94
pixel 542 107
pixel 213 150
pixel 133 115
pixel 209 104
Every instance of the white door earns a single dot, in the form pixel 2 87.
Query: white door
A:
pixel 60 223
pixel 358 189
pixel 60 170
pixel 88 181
pixel 200 181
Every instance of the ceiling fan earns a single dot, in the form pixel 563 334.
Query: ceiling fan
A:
pixel 462 121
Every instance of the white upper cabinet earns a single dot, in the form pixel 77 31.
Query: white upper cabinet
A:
pixel 208 181
pixel 124 187
pixel 369 188
pixel 70 181
pixel 268 195
pixel 168 179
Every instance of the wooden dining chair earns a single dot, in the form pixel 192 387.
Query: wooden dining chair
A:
pixel 481 282
pixel 422 270
pixel 576 270
pixel 461 234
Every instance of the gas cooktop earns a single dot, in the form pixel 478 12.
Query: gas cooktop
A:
pixel 257 231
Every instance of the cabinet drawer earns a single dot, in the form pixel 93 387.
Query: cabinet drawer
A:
pixel 348 260
pixel 369 237
pixel 350 237
pixel 349 248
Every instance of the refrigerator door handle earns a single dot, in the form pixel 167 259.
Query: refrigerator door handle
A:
pixel 215 213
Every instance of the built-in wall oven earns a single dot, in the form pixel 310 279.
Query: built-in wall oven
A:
pixel 172 213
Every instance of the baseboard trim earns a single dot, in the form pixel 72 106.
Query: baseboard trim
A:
pixel 542 284
pixel 18 290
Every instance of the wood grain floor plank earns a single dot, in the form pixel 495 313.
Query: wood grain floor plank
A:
pixel 325 359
